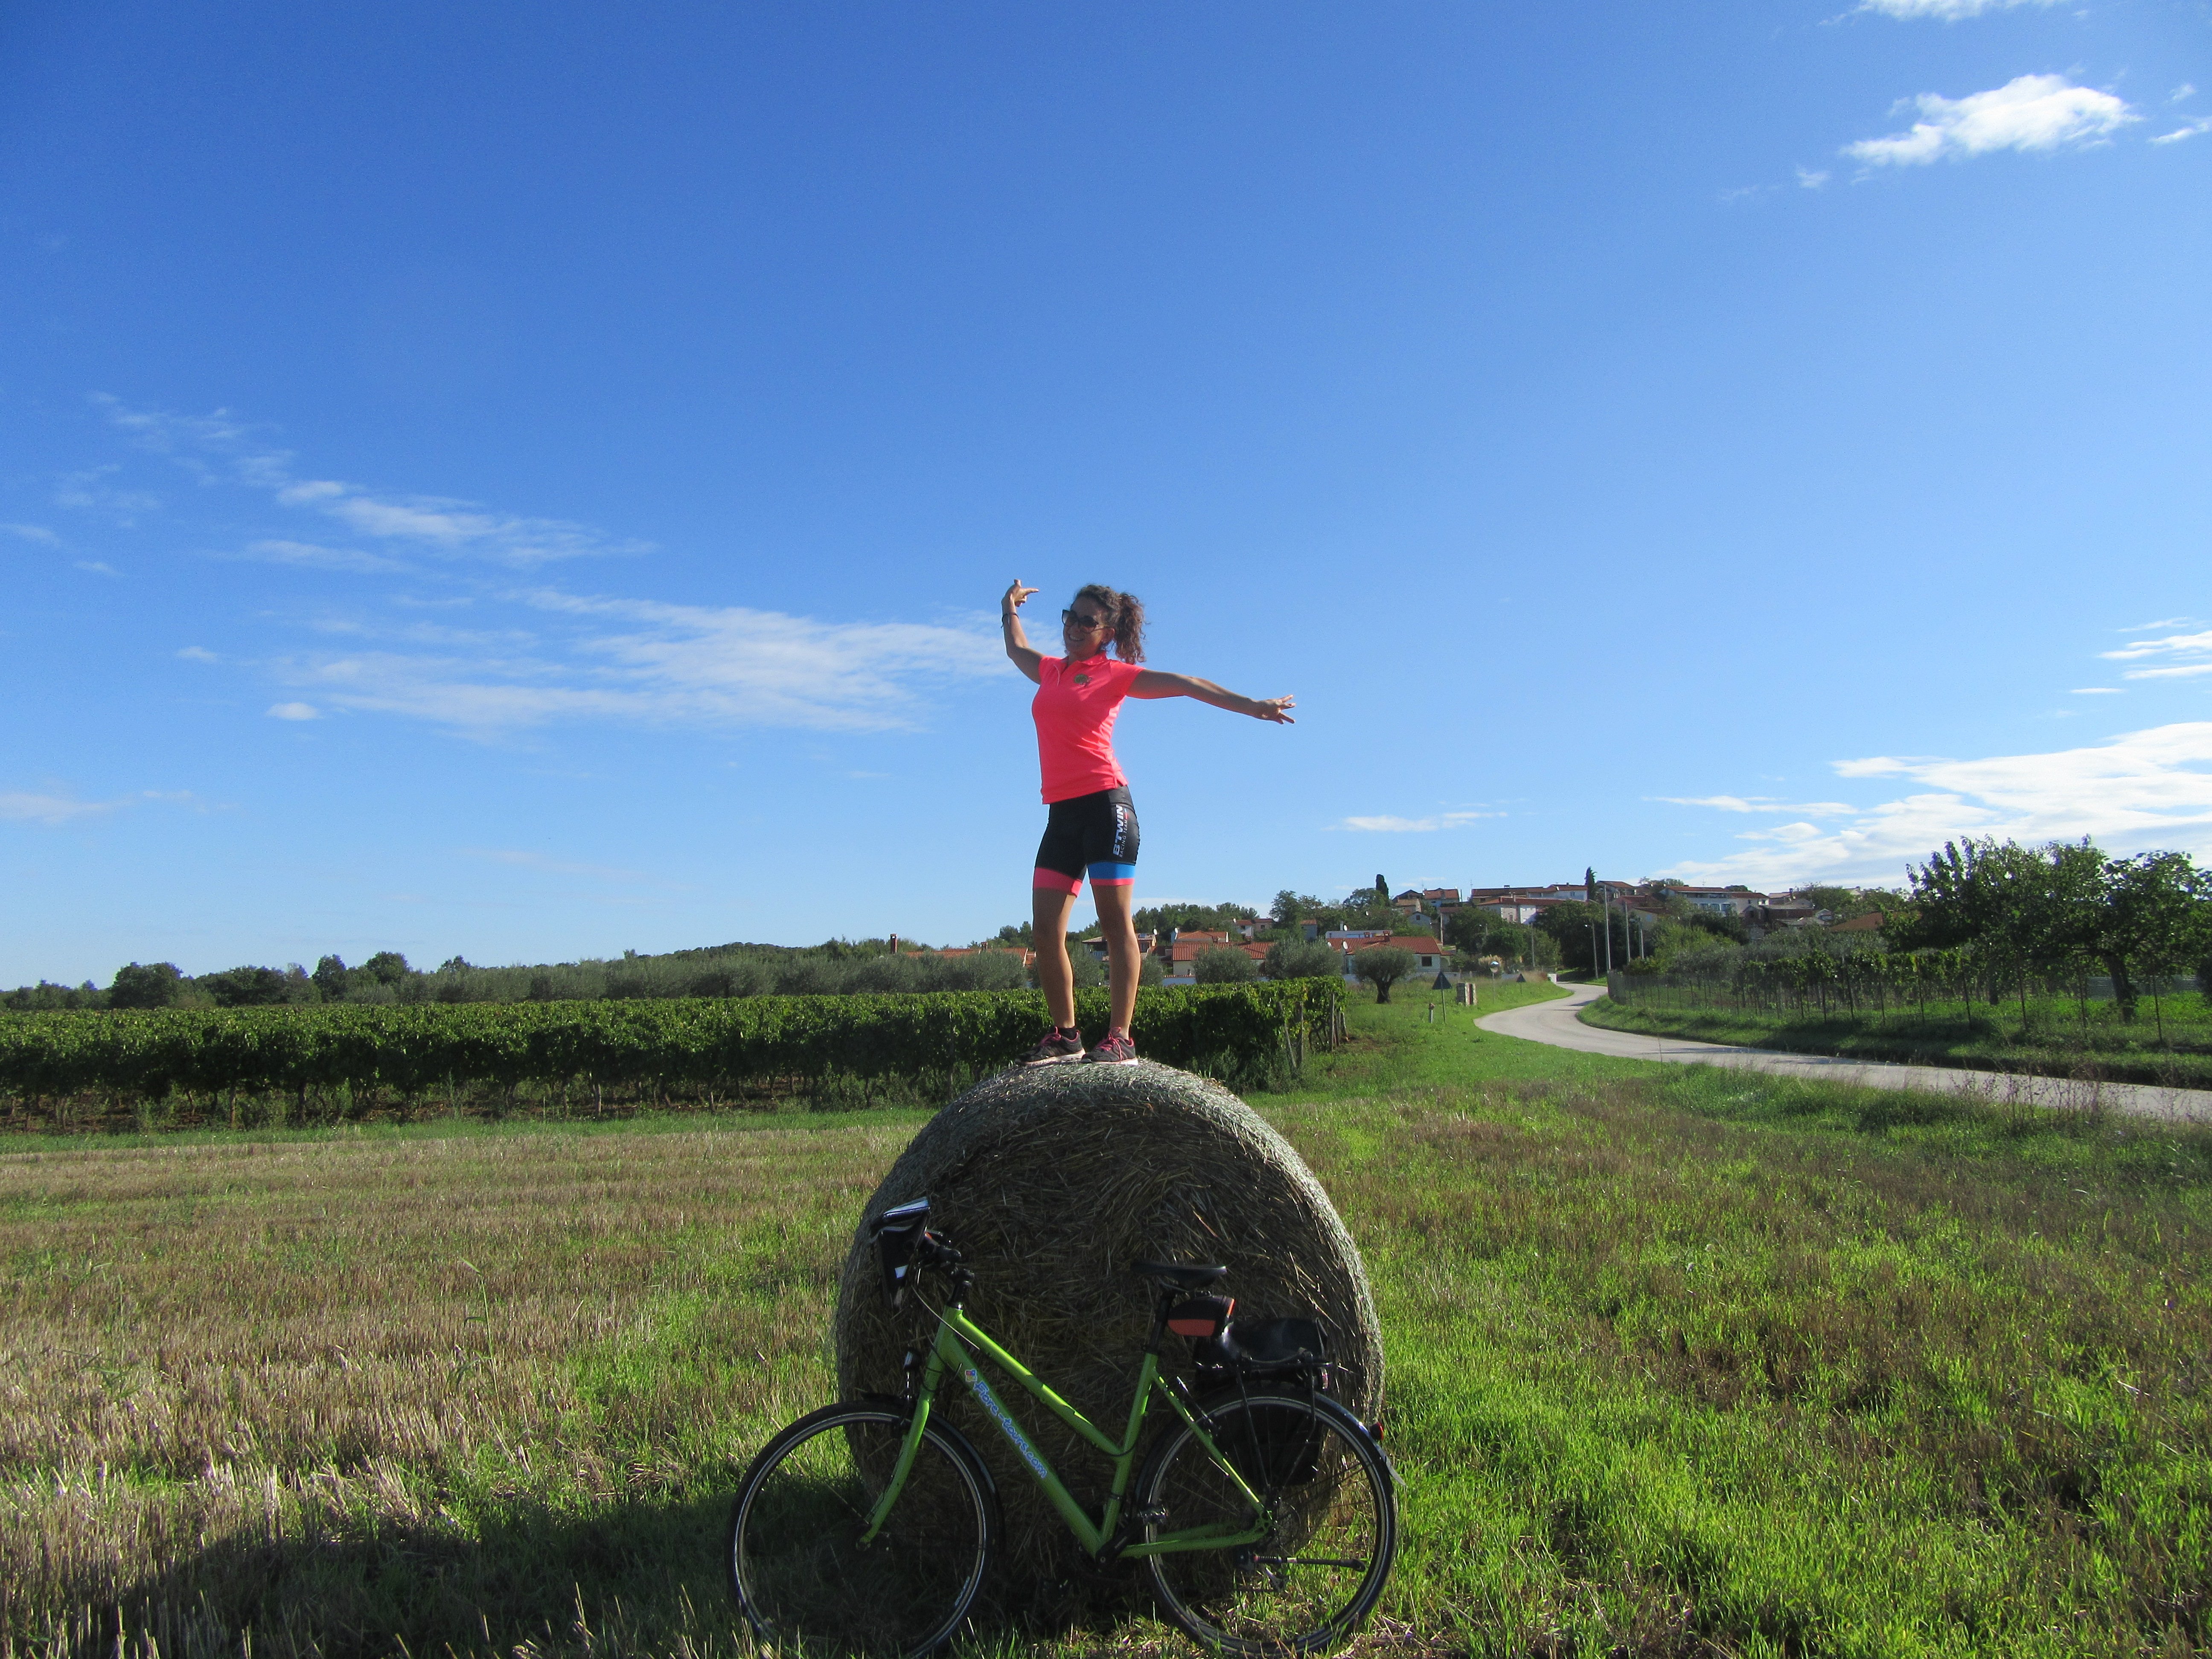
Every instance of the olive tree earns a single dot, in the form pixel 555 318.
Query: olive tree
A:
pixel 1290 958
pixel 1383 967
pixel 1224 964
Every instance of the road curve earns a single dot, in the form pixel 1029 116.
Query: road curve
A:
pixel 1559 1024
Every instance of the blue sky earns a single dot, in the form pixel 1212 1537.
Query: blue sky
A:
pixel 536 482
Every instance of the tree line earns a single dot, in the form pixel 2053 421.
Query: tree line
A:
pixel 387 979
pixel 2003 915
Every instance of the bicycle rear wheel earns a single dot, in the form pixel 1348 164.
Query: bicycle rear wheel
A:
pixel 1307 1585
pixel 801 1575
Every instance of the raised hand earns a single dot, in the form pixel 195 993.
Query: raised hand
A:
pixel 1014 597
pixel 1277 709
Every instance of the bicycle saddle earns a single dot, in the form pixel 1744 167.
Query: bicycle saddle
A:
pixel 1183 1275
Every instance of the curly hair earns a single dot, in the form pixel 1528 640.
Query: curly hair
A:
pixel 1126 612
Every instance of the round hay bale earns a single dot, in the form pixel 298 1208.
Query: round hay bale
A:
pixel 1052 1181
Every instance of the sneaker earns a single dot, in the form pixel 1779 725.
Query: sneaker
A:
pixel 1115 1050
pixel 1054 1047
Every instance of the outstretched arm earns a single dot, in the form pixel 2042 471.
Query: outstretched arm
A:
pixel 1153 684
pixel 1017 642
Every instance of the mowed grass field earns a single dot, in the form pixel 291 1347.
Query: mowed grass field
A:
pixel 1681 1362
pixel 2168 1044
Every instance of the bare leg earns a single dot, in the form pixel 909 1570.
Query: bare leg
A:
pixel 1120 936
pixel 1049 926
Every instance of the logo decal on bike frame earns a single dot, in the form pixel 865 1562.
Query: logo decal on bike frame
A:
pixel 1012 1430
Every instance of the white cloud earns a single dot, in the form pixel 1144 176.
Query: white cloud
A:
pixel 33 532
pixel 2031 113
pixel 218 448
pixel 313 556
pixel 198 654
pixel 2096 691
pixel 1947 11
pixel 1756 804
pixel 424 633
pixel 641 662
pixel 88 491
pixel 585 658
pixel 2143 789
pixel 98 568
pixel 2187 129
pixel 1808 180
pixel 1385 824
pixel 1791 834
pixel 2184 645
pixel 20 806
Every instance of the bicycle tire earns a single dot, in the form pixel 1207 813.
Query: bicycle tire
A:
pixel 800 1574
pixel 1311 1583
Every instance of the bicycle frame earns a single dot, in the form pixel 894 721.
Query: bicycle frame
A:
pixel 961 1348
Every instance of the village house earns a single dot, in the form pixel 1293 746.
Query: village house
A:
pixel 1429 956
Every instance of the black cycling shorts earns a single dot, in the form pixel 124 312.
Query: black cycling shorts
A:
pixel 1091 834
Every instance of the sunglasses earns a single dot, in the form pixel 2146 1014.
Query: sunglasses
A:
pixel 1082 624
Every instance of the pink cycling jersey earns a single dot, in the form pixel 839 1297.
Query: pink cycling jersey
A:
pixel 1074 709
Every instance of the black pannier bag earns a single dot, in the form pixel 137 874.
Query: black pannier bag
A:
pixel 1265 1351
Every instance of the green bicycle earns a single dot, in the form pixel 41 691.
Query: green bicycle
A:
pixel 1266 1514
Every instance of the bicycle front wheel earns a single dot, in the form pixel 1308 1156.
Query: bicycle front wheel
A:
pixel 1306 1586
pixel 804 1579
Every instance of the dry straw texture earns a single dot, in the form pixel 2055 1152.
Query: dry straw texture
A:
pixel 1052 1182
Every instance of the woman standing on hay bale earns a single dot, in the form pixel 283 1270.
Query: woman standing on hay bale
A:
pixel 1091 828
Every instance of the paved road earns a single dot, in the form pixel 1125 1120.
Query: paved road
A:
pixel 1559 1024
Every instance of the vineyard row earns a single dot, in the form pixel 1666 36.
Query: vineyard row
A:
pixel 1239 1031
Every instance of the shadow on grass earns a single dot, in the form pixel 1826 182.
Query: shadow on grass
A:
pixel 629 1577
pixel 638 1577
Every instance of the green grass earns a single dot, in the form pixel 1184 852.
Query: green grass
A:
pixel 2171 1047
pixel 1681 1361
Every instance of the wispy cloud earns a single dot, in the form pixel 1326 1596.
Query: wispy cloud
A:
pixel 88 490
pixel 1947 11
pixel 641 662
pixel 2186 130
pixel 1808 180
pixel 33 532
pixel 1757 803
pixel 97 566
pixel 23 807
pixel 56 807
pixel 220 449
pixel 2142 789
pixel 582 657
pixel 313 556
pixel 2095 692
pixel 1383 822
pixel 2031 113
pixel 2193 653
